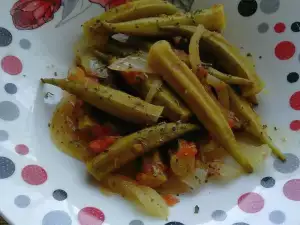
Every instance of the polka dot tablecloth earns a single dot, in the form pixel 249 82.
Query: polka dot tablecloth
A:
pixel 40 185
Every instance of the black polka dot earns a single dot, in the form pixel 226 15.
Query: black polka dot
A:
pixel 292 77
pixel 267 182
pixel 10 88
pixel 295 27
pixel 60 195
pixel 7 167
pixel 5 37
pixel 240 223
pixel 174 223
pixel 247 7
pixel 290 165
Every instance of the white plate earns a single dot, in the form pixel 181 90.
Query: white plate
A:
pixel 40 185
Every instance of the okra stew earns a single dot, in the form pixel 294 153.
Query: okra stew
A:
pixel 160 103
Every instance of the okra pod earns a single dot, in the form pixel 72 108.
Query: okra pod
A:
pixel 112 101
pixel 164 61
pixel 229 57
pixel 212 19
pixel 174 109
pixel 252 122
pixel 132 146
pixel 194 55
pixel 227 78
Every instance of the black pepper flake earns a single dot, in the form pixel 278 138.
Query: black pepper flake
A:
pixel 275 128
pixel 48 94
pixel 196 210
pixel 249 54
pixel 55 74
pixel 264 126
pixel 49 124
pixel 260 57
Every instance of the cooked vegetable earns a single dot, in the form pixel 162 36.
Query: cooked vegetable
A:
pixel 212 19
pixel 182 166
pixel 196 179
pixel 154 88
pixel 252 121
pixel 171 200
pixel 130 11
pixel 63 130
pixel 182 30
pixel 257 154
pixel 221 171
pixel 140 43
pixel 227 55
pixel 227 169
pixel 100 145
pixel 221 91
pixel 173 186
pixel 203 75
pixel 112 101
pixel 148 86
pixel 212 151
pixel 85 122
pixel 92 65
pixel 182 56
pixel 194 48
pixel 119 149
pixel 229 79
pixel 130 147
pixel 233 62
pixel 96 35
pixel 163 60
pixel 174 109
pixel 136 63
pixel 147 199
pixel 153 171
pixel 118 48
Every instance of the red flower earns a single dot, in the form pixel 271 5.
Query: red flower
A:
pixel 31 14
pixel 107 4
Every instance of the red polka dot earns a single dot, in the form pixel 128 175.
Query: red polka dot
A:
pixel 22 149
pixel 279 27
pixel 291 189
pixel 34 175
pixel 251 202
pixel 285 50
pixel 295 100
pixel 11 65
pixel 295 125
pixel 91 216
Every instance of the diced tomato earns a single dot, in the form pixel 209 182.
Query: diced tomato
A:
pixel 132 77
pixel 171 200
pixel 231 123
pixel 202 72
pixel 186 149
pixel 102 144
pixel 98 131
